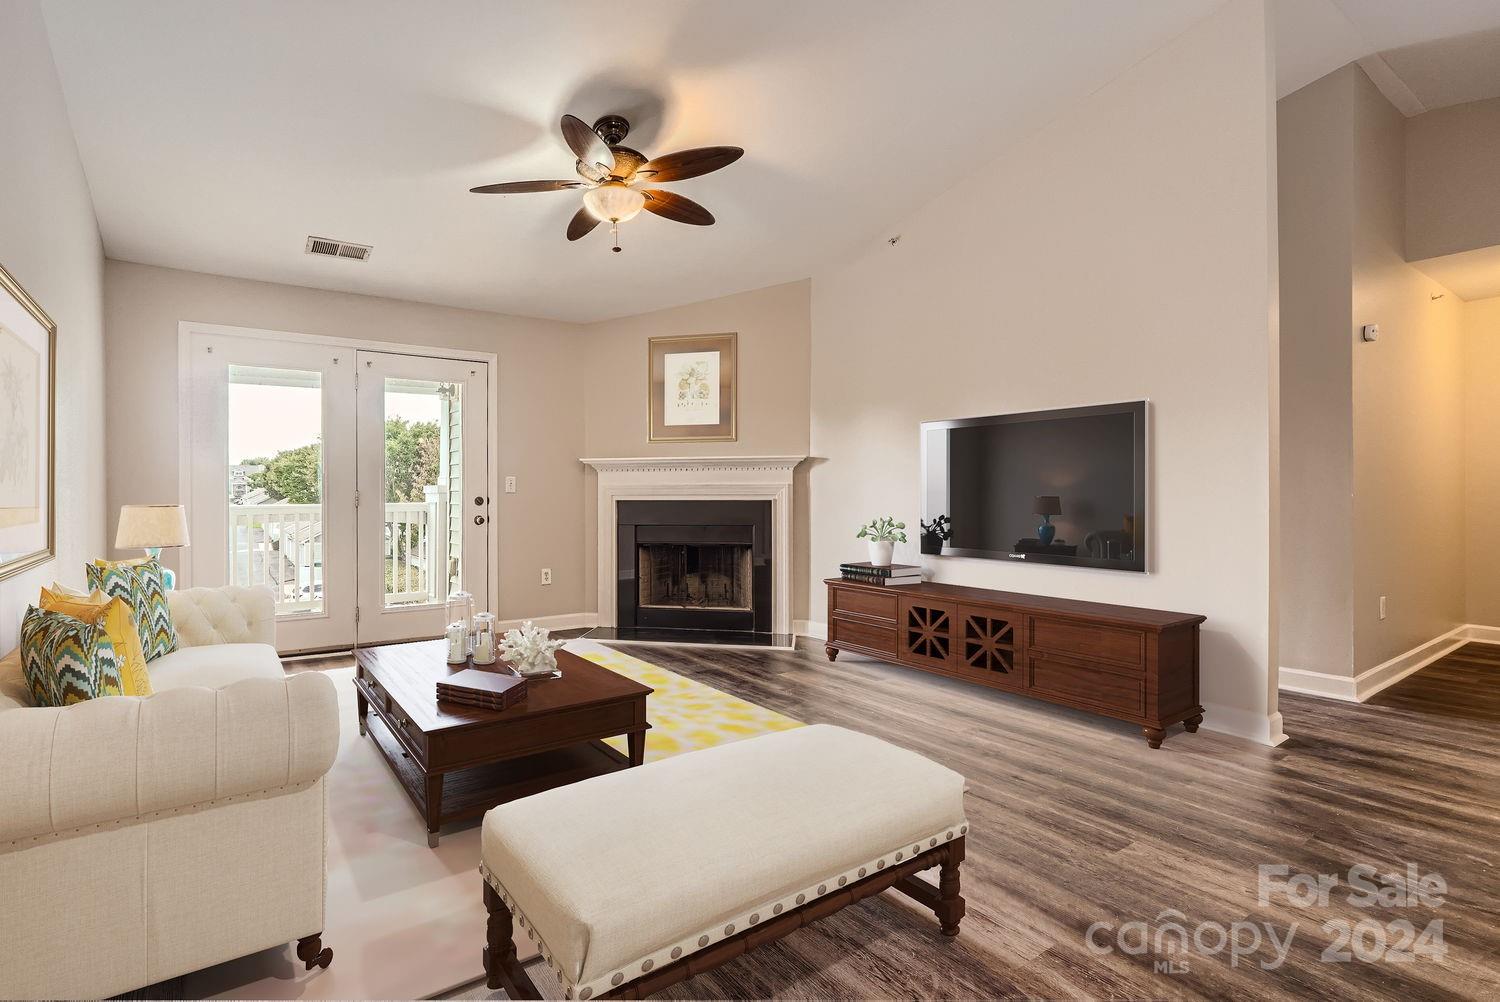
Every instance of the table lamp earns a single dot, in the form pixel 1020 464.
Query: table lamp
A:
pixel 1046 506
pixel 150 527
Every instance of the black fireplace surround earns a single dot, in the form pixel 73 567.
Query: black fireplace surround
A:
pixel 693 565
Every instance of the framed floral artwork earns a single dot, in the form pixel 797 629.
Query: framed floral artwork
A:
pixel 28 358
pixel 691 383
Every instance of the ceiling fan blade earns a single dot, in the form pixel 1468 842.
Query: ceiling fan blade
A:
pixel 677 208
pixel 581 224
pixel 689 163
pixel 586 144
pixel 514 187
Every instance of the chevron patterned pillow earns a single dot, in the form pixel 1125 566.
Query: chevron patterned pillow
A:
pixel 143 587
pixel 66 660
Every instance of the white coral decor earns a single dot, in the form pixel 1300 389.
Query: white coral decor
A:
pixel 529 649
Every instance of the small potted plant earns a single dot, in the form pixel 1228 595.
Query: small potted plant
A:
pixel 882 534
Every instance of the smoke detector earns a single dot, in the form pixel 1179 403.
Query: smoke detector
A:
pixel 328 247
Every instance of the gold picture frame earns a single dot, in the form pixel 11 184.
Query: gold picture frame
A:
pixel 28 431
pixel 700 405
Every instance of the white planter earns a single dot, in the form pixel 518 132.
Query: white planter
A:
pixel 880 552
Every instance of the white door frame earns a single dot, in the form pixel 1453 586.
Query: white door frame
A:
pixel 186 330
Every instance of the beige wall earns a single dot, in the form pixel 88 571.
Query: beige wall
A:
pixel 1408 413
pixel 1482 450
pixel 541 420
pixel 1315 188
pixel 774 327
pixel 1126 251
pixel 1450 168
pixel 50 243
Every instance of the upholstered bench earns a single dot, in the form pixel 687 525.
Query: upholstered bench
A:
pixel 636 880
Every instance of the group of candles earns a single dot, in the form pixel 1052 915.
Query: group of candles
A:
pixel 469 634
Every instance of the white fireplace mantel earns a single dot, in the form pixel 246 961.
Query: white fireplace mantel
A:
pixel 699 478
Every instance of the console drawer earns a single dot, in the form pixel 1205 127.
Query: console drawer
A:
pixel 1089 685
pixel 1123 647
pixel 880 639
pixel 865 603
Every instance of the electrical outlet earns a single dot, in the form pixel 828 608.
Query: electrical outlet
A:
pixel 547 578
pixel 510 485
pixel 1382 607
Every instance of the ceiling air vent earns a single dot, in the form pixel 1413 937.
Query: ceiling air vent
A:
pixel 338 248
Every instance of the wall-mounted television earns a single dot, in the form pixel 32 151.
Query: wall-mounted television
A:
pixel 1056 487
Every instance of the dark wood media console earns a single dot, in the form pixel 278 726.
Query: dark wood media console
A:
pixel 1139 665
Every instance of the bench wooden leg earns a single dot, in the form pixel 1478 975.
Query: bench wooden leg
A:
pixel 950 908
pixel 501 968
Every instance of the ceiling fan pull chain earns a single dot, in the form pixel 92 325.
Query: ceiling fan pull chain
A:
pixel 614 229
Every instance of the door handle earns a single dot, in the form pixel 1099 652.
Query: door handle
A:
pixel 478 519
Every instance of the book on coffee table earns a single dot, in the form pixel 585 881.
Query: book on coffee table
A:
pixel 496 690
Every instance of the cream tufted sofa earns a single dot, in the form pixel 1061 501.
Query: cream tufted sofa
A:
pixel 144 838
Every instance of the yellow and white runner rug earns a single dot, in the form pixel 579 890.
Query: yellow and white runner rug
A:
pixel 685 715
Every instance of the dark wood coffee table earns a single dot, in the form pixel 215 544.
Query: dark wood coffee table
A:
pixel 457 761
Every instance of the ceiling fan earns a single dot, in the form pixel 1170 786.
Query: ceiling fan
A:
pixel 614 175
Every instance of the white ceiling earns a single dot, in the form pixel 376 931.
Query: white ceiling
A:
pixel 1424 54
pixel 218 136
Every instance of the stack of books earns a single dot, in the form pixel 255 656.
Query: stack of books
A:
pixel 891 574
pixel 491 690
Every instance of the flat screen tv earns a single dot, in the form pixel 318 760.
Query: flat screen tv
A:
pixel 1056 487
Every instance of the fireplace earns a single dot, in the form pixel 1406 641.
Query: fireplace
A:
pixel 694 565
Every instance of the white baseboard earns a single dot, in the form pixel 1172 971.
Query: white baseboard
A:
pixel 1261 728
pixel 1358 688
pixel 565 621
pixel 809 628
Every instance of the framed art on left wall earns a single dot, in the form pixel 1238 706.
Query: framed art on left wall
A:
pixel 28 361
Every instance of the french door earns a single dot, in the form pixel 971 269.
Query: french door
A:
pixel 419 541
pixel 353 483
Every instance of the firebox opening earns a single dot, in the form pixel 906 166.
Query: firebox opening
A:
pixel 695 576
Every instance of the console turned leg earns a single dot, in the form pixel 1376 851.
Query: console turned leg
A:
pixel 950 907
pixel 1154 736
pixel 1191 723
pixel 831 651
pixel 501 968
pixel 312 952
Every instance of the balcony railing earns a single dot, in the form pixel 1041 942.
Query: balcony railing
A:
pixel 281 545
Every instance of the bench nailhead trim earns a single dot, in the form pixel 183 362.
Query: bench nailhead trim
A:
pixel 649 963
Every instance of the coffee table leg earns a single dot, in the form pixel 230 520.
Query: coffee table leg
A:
pixel 636 742
pixel 434 807
pixel 364 708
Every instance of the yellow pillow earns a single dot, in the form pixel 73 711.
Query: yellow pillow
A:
pixel 118 620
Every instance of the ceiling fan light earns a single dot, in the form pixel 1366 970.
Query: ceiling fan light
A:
pixel 613 202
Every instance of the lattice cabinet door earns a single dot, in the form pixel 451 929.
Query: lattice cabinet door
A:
pixel 927 633
pixel 988 646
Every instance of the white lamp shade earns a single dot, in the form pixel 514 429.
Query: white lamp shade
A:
pixel 143 526
pixel 612 202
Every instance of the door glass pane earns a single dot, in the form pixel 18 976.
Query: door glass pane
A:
pixel 424 491
pixel 275 484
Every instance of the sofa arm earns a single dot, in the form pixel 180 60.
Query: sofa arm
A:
pixel 227 615
pixel 120 758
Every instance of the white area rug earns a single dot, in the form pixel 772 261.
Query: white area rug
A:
pixel 404 921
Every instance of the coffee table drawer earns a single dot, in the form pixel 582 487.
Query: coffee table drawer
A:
pixel 510 738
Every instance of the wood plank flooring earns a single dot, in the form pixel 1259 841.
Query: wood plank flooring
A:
pixel 1075 821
